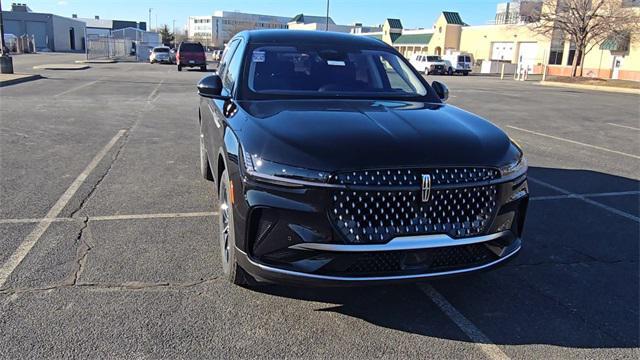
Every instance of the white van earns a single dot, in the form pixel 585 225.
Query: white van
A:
pixel 462 63
pixel 428 64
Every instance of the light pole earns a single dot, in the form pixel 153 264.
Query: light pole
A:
pixel 174 33
pixel 149 23
pixel 6 62
pixel 327 25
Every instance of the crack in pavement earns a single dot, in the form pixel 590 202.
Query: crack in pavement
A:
pixel 127 286
pixel 95 186
pixel 82 251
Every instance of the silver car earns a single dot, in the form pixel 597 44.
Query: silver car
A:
pixel 160 54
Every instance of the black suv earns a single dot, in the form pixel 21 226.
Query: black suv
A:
pixel 337 163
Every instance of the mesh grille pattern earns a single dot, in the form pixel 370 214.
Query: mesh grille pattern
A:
pixel 379 216
pixel 412 177
pixel 423 261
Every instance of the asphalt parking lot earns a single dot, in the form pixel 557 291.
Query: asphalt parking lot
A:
pixel 107 248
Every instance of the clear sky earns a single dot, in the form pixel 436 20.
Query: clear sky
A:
pixel 413 13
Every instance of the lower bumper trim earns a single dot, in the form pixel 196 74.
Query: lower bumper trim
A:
pixel 270 273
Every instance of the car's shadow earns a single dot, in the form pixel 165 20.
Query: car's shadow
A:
pixel 575 283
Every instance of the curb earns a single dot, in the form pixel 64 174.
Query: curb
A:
pixel 591 87
pixel 19 80
pixel 61 67
pixel 110 61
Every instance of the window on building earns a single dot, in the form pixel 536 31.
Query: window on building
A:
pixel 572 54
pixel 557 48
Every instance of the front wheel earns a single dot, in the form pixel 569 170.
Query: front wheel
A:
pixel 203 68
pixel 466 73
pixel 179 67
pixel 232 271
pixel 450 72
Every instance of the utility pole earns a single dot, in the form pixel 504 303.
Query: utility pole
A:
pixel 149 23
pixel 327 26
pixel 6 62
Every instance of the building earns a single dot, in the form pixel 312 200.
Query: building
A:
pixel 216 30
pixel 517 44
pixel 97 27
pixel 517 12
pixel 320 23
pixel 50 32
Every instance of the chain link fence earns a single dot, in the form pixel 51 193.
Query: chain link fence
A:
pixel 128 44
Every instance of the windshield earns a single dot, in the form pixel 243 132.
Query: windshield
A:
pixel 433 58
pixel 161 50
pixel 191 47
pixel 321 70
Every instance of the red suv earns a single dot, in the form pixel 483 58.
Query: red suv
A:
pixel 191 54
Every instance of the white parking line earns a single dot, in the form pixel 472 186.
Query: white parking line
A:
pixel 570 196
pixel 151 216
pixel 31 239
pixel 624 126
pixel 491 350
pixel 154 93
pixel 574 142
pixel 585 199
pixel 113 217
pixel 73 89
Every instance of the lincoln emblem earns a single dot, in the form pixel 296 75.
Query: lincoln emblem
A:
pixel 426 187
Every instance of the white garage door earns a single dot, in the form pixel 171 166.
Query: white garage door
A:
pixel 527 56
pixel 502 51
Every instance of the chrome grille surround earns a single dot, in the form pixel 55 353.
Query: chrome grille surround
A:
pixel 408 177
pixel 377 206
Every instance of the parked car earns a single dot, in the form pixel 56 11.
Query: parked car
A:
pixel 215 55
pixel 191 54
pixel 462 63
pixel 160 54
pixel 335 162
pixel 428 64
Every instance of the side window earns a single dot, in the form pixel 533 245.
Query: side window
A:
pixel 226 56
pixel 233 68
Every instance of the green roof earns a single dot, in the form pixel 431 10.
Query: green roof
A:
pixel 395 23
pixel 453 18
pixel 616 43
pixel 420 39
pixel 309 19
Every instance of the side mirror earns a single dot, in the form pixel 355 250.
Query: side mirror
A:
pixel 441 89
pixel 210 86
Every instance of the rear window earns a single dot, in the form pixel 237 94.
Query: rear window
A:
pixel 161 50
pixel 464 58
pixel 191 47
pixel 433 58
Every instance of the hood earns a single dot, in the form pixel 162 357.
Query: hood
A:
pixel 336 135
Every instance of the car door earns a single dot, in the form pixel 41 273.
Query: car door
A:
pixel 212 110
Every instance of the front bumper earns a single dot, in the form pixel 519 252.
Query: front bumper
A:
pixel 268 273
pixel 287 235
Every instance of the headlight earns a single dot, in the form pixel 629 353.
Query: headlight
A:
pixel 271 171
pixel 515 168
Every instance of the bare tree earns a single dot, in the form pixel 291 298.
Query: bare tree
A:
pixel 587 23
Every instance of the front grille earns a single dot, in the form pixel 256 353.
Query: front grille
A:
pixel 425 261
pixel 408 177
pixel 379 214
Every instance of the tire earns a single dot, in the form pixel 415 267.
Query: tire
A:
pixel 203 68
pixel 179 67
pixel 466 73
pixel 450 72
pixel 226 236
pixel 205 169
